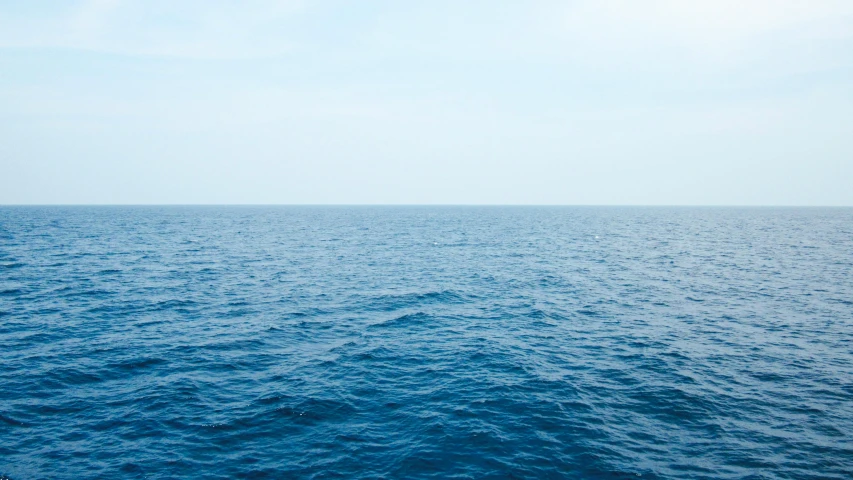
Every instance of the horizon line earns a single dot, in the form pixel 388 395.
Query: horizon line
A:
pixel 415 205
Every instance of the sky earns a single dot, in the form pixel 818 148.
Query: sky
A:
pixel 575 102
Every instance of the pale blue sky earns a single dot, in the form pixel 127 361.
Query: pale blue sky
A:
pixel 745 102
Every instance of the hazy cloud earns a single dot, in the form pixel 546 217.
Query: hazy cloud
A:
pixel 724 102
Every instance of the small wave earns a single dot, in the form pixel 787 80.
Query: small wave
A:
pixel 75 376
pixel 406 300
pixel 138 364
pixel 306 412
pixel 11 421
pixel 93 293
pixel 109 271
pixel 180 306
pixel 273 399
pixel 407 320
pixel 149 322
pixel 308 312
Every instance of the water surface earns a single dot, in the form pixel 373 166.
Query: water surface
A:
pixel 426 342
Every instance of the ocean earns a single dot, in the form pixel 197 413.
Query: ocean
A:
pixel 426 342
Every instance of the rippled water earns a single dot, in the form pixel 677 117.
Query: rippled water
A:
pixel 426 342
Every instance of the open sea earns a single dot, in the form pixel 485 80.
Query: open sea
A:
pixel 426 342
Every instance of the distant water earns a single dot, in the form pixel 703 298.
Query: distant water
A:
pixel 431 342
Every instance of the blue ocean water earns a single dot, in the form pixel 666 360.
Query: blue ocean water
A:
pixel 426 342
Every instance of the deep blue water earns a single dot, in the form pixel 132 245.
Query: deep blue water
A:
pixel 426 342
